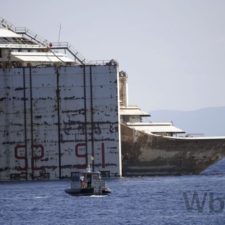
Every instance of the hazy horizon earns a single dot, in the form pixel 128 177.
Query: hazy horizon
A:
pixel 206 121
pixel 187 110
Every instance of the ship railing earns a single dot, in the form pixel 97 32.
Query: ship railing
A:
pixel 55 45
pixel 98 62
pixel 110 62
pixel 4 23
pixel 24 31
pixel 33 36
pixel 66 46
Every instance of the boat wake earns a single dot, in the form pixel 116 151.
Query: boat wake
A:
pixel 98 196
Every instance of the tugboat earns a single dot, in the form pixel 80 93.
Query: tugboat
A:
pixel 87 183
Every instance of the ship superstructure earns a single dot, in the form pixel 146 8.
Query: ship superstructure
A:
pixel 135 118
pixel 151 148
pixel 20 46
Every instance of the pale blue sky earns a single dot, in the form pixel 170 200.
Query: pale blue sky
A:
pixel 172 50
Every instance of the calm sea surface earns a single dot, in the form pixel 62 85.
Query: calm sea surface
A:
pixel 156 201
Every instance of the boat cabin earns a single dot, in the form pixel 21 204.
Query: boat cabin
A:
pixel 86 183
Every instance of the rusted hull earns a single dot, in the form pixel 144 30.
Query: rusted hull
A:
pixel 148 155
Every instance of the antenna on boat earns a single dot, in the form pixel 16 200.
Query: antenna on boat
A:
pixel 59 34
pixel 90 167
pixel 92 163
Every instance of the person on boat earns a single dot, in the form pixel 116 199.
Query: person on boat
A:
pixel 83 182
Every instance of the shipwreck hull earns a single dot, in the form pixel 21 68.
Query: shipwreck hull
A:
pixel 148 155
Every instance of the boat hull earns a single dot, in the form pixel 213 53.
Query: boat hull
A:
pixel 149 155
pixel 86 192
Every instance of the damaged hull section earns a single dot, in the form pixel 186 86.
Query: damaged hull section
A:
pixel 148 154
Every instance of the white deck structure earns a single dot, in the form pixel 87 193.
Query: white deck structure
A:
pixel 167 129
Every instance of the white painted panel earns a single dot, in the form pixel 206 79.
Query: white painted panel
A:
pixel 44 117
pixel 12 154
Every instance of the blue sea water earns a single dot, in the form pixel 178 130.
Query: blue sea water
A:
pixel 140 200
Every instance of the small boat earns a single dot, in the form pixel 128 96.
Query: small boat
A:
pixel 87 183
